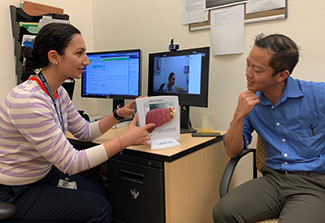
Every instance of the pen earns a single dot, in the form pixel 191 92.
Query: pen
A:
pixel 312 129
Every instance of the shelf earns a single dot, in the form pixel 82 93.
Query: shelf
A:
pixel 18 15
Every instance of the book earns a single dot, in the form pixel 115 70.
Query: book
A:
pixel 164 112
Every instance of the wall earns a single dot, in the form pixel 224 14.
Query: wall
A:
pixel 7 58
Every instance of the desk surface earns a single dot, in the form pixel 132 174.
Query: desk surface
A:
pixel 188 144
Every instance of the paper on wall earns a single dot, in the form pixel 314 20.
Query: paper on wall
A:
pixel 227 30
pixel 263 5
pixel 193 11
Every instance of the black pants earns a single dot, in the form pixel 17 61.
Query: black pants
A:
pixel 44 202
pixel 291 198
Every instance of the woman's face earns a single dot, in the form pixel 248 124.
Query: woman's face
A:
pixel 74 59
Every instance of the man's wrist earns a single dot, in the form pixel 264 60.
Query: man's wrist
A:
pixel 238 117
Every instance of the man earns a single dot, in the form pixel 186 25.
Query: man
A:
pixel 289 115
pixel 169 87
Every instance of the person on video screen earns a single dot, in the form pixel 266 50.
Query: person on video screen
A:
pixel 170 85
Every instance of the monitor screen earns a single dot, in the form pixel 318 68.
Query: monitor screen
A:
pixel 112 74
pixel 183 73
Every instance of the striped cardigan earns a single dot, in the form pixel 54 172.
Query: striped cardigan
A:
pixel 32 140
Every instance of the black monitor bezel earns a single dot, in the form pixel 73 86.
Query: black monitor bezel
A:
pixel 114 96
pixel 200 100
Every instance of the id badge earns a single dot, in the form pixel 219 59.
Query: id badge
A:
pixel 67 184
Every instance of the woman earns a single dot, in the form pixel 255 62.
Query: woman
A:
pixel 35 155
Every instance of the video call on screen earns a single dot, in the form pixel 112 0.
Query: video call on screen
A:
pixel 187 70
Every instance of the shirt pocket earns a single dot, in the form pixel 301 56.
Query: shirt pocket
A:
pixel 308 144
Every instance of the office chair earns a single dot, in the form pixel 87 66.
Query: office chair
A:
pixel 6 210
pixel 259 156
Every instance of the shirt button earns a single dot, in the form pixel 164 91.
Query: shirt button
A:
pixel 285 155
pixel 283 140
pixel 272 106
pixel 277 123
pixel 286 163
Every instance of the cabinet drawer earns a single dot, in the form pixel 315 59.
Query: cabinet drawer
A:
pixel 136 192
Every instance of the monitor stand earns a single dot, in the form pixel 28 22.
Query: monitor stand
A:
pixel 119 103
pixel 185 120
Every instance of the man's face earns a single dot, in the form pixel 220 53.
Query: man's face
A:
pixel 259 74
pixel 172 80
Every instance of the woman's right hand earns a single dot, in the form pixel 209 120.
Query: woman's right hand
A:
pixel 136 135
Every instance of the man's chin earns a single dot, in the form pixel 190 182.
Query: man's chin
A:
pixel 250 87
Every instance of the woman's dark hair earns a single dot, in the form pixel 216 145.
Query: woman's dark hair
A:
pixel 53 36
pixel 285 54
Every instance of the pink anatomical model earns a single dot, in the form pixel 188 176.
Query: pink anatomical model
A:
pixel 159 116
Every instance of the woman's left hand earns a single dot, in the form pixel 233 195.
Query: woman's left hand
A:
pixel 126 110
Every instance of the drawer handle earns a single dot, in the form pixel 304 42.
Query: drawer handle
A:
pixel 132 177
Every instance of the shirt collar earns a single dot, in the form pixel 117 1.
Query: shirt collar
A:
pixel 291 90
pixel 33 78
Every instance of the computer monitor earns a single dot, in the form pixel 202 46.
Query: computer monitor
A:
pixel 112 74
pixel 184 73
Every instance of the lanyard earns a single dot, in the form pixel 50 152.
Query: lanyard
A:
pixel 41 76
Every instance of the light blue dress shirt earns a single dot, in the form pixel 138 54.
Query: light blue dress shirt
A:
pixel 293 129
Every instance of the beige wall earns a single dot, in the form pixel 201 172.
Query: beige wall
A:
pixel 7 59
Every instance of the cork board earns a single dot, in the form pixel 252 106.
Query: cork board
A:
pixel 274 14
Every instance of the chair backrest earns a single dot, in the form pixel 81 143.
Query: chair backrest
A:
pixel 260 153
pixel 260 162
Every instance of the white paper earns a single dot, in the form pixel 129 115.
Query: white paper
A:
pixel 48 19
pixel 164 143
pixel 263 5
pixel 193 11
pixel 215 4
pixel 170 129
pixel 227 30
pixel 28 40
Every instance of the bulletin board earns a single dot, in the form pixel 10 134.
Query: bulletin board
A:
pixel 274 14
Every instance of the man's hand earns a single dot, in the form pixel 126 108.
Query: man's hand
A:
pixel 233 142
pixel 246 102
